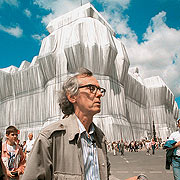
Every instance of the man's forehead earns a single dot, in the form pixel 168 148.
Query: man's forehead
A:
pixel 87 80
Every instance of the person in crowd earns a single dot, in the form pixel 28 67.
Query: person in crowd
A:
pixel 109 148
pixel 114 148
pixel 136 146
pixel 73 147
pixel 132 146
pixel 157 144
pixel 12 155
pixel 148 146
pixel 118 146
pixel 29 145
pixel 122 147
pixel 176 158
pixel 126 145
pixel 153 146
pixel 24 146
pixel 140 145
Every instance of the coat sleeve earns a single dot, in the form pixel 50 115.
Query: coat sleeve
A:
pixel 39 163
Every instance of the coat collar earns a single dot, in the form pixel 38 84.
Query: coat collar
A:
pixel 71 126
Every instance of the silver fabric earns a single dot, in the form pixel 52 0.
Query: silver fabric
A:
pixel 28 94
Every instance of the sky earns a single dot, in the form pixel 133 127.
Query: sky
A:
pixel 149 29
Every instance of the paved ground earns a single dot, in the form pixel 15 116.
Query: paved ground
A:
pixel 134 163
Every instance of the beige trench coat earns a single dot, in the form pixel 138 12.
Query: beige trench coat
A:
pixel 57 153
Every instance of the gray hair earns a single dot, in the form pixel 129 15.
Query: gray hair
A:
pixel 71 86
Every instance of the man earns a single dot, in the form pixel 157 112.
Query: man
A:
pixel 122 147
pixel 176 159
pixel 29 145
pixel 12 155
pixel 153 146
pixel 148 145
pixel 74 147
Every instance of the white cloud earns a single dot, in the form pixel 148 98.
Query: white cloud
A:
pixel 159 54
pixel 113 13
pixel 119 23
pixel 27 12
pixel 115 4
pixel 10 2
pixel 58 7
pixel 14 31
pixel 38 37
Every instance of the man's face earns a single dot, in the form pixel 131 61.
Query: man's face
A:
pixel 87 102
pixel 12 137
pixel 30 136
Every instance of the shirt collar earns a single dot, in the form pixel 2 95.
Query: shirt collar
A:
pixel 82 128
pixel 91 129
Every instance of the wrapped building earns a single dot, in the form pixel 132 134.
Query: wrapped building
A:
pixel 83 38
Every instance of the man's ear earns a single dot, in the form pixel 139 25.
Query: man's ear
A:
pixel 71 98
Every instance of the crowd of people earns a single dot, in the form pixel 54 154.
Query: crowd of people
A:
pixel 135 146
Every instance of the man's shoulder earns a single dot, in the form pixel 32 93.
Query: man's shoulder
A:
pixel 60 125
pixel 48 130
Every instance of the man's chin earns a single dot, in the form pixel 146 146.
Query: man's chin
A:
pixel 95 110
pixel 98 110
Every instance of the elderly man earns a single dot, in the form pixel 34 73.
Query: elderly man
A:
pixel 29 145
pixel 74 147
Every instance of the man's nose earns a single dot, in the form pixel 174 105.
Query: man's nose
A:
pixel 99 93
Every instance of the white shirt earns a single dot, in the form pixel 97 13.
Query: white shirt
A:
pixel 176 137
pixel 11 161
pixel 11 148
pixel 29 144
pixel 148 145
pixel 90 156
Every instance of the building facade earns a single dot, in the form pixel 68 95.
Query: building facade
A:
pixel 82 38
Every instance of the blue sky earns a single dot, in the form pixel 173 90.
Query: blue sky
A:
pixel 150 30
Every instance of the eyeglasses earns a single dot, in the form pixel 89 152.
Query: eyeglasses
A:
pixel 93 89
